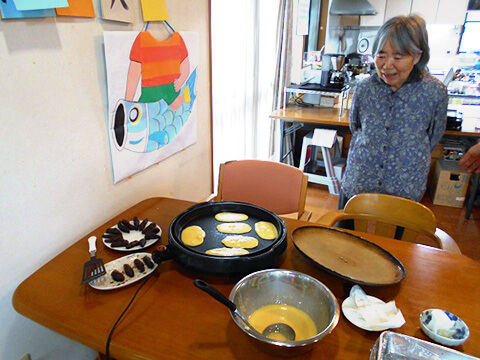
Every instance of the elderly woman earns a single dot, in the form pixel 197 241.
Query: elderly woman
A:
pixel 397 117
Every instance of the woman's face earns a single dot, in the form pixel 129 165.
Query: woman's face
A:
pixel 394 67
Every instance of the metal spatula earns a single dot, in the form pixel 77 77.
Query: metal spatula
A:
pixel 94 268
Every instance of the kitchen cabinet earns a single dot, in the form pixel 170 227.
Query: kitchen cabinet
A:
pixel 451 12
pixel 441 11
pixel 397 7
pixel 426 8
pixel 375 20
pixel 433 11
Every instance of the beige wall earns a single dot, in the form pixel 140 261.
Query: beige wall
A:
pixel 55 174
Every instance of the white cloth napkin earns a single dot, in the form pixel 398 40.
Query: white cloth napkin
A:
pixel 370 313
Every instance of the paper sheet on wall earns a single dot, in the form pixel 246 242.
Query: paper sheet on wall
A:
pixel 144 133
pixel 154 10
pixel 118 10
pixel 9 11
pixel 24 5
pixel 79 8
pixel 303 16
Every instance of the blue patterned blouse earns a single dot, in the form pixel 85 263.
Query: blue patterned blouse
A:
pixel 393 134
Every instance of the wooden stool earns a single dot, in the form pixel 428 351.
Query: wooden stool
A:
pixel 333 167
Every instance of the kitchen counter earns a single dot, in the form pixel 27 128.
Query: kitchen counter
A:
pixel 331 116
pixel 316 115
pixel 293 118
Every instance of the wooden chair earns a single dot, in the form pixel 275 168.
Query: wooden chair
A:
pixel 381 214
pixel 275 186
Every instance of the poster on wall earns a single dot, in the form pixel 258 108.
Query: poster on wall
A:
pixel 24 5
pixel 9 11
pixel 152 112
pixel 77 8
pixel 154 10
pixel 118 10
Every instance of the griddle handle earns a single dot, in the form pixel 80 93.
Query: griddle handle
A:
pixel 202 285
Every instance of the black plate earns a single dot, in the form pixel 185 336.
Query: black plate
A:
pixel 203 215
pixel 348 256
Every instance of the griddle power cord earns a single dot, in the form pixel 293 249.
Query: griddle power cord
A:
pixel 163 253
pixel 107 347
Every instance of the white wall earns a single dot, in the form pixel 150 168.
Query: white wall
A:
pixel 55 170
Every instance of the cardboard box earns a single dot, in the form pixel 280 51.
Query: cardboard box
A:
pixel 449 184
pixel 329 101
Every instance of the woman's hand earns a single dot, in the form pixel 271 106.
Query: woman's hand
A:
pixel 471 160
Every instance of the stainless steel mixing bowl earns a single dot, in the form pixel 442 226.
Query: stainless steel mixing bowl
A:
pixel 275 286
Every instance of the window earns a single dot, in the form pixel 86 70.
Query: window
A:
pixel 469 41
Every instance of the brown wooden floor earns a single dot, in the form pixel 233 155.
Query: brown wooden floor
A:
pixel 452 220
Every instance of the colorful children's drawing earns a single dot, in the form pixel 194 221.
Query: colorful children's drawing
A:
pixel 24 5
pixel 148 126
pixel 118 10
pixel 9 11
pixel 78 8
pixel 154 10
pixel 151 83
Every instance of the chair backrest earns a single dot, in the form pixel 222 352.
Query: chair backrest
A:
pixel 384 213
pixel 278 187
pixel 387 212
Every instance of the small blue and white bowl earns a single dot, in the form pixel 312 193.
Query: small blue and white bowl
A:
pixel 443 327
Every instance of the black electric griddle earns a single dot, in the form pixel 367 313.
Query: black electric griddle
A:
pixel 203 215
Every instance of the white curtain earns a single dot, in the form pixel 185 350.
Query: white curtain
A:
pixel 282 78
pixel 244 63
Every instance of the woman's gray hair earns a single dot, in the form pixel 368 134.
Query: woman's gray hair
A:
pixel 408 35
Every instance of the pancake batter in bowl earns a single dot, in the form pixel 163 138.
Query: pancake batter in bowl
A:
pixel 297 319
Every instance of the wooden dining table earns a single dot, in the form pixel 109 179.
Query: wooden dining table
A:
pixel 172 319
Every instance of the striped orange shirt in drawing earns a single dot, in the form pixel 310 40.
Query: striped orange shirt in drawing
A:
pixel 160 59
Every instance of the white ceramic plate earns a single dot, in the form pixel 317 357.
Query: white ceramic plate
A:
pixel 107 283
pixel 349 304
pixel 131 236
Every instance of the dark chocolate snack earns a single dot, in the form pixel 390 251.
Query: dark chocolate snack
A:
pixel 128 270
pixel 142 224
pixel 123 227
pixel 117 276
pixel 136 222
pixel 119 243
pixel 113 231
pixel 142 242
pixel 132 244
pixel 155 230
pixel 139 264
pixel 149 228
pixel 113 237
pixel 128 224
pixel 148 262
pixel 151 235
